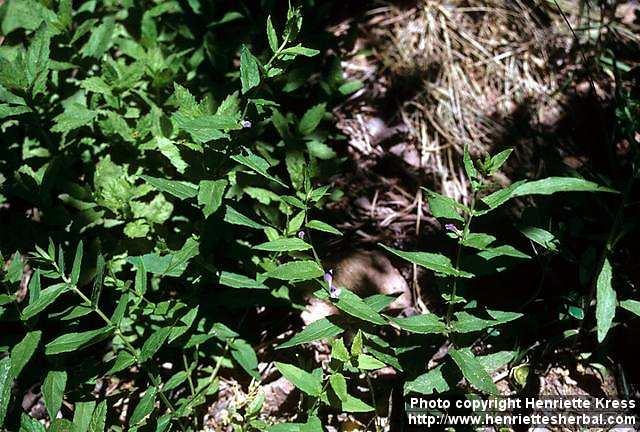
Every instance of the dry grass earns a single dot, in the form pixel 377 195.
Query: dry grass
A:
pixel 455 71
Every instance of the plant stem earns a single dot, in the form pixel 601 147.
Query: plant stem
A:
pixel 461 240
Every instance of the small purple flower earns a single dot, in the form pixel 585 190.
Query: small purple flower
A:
pixel 451 227
pixel 301 235
pixel 245 124
pixel 334 291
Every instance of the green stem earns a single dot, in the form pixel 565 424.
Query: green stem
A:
pixel 461 240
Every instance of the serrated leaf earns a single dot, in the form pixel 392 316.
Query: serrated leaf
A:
pixel 496 161
pixel 353 305
pixel 284 245
pixel 423 324
pixel 53 391
pixel 210 195
pixel 46 297
pixel 339 350
pixel 100 38
pixel 317 330
pixel 77 264
pixel 6 382
pixel 179 189
pixel 436 262
pixel 605 300
pixel 368 362
pixel 300 50
pixel 257 164
pixel 77 341
pixel 235 280
pixel 495 361
pixel 428 383
pixel 478 240
pixel 272 37
pixel 153 343
pixel 473 371
pixel 99 419
pixel 249 70
pixel 631 305
pixel 144 408
pixel 303 380
pixel 339 385
pixel 234 217
pixel 311 119
pixel 321 226
pixel 443 207
pixel 245 356
pixel 542 237
pixel 123 361
pixel 74 116
pixel 96 85
pixel 23 351
pixel 296 271
pixel 82 415
pixel 503 250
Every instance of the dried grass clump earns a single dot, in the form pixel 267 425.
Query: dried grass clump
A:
pixel 464 66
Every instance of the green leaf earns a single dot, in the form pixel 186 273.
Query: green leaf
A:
pixel 153 343
pixel 467 323
pixel 235 280
pixel 605 300
pixel 284 245
pixel 368 362
pixel 545 186
pixel 300 50
pixel 257 164
pixel 246 357
pixel 339 350
pixel 317 330
pixel 495 361
pixel 99 419
pixel 436 262
pixel 321 226
pixel 46 297
pixel 473 370
pixel 320 150
pixel 210 195
pixel 631 306
pixel 311 119
pixel 272 36
pixel 179 189
pixel 424 324
pixel 469 167
pixel 504 250
pixel 339 385
pixel 100 38
pixel 296 271
pixel 249 70
pixel 170 150
pixel 443 207
pixel 308 383
pixel 96 85
pixel 171 264
pixel 53 391
pixel 176 380
pixel 123 361
pixel 478 240
pixel 553 185
pixel 428 383
pixel 77 341
pixel 61 425
pixel 144 408
pixel 77 264
pixel 29 424
pixel 6 382
pixel 234 217
pixel 82 415
pixel 74 116
pixel 353 305
pixel 23 351
pixel 496 161
pixel 542 237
